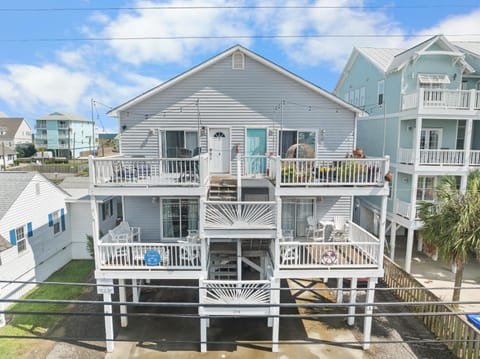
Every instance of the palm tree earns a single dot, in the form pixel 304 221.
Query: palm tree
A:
pixel 452 223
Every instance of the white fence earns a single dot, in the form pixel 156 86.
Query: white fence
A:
pixel 435 157
pixel 236 215
pixel 341 172
pixel 141 171
pixel 403 208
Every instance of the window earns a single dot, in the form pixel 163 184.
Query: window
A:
pixel 178 217
pixel 238 61
pixel 57 221
pixel 461 128
pixel 426 188
pixel 107 209
pixel 380 91
pixel 179 144
pixel 297 144
pixel 295 213
pixel 18 236
pixel 362 96
pixel 430 138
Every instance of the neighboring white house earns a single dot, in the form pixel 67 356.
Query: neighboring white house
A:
pixel 14 131
pixel 237 174
pixel 34 231
pixel 423 107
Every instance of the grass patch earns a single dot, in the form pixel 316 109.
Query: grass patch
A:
pixel 37 325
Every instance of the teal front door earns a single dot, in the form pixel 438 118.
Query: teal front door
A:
pixel 255 151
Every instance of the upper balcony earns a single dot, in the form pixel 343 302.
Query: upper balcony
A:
pixel 439 158
pixel 289 175
pixel 442 101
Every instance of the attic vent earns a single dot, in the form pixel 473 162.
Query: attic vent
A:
pixel 238 61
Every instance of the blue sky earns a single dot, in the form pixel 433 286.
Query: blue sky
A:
pixel 56 61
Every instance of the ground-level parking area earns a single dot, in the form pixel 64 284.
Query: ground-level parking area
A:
pixel 153 336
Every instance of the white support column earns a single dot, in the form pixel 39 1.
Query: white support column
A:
pixel 95 230
pixel 204 322
pixel 418 134
pixel 409 250
pixel 353 300
pixel 135 291
pixel 239 259
pixel 275 311
pixel 381 232
pixel 419 243
pixel 279 235
pixel 393 237
pixel 123 298
pixel 367 324
pixel 339 290
pixel 109 335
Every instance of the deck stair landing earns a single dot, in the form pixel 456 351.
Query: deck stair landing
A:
pixel 222 188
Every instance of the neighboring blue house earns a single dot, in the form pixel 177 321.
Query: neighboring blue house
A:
pixel 66 135
pixel 422 108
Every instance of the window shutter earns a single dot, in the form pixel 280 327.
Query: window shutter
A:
pixel 50 219
pixel 29 230
pixel 13 239
pixel 62 219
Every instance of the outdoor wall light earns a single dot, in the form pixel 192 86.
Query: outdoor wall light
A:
pixel 203 131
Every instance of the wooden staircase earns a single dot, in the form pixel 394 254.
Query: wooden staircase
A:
pixel 223 261
pixel 222 188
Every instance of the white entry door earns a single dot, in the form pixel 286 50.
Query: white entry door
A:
pixel 219 150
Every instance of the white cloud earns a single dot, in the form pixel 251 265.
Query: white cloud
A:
pixel 465 25
pixel 174 23
pixel 27 86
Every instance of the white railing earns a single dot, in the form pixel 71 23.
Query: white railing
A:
pixel 434 157
pixel 442 157
pixel 341 172
pixel 120 171
pixel 474 158
pixel 240 215
pixel 359 249
pixel 233 292
pixel 406 155
pixel 255 165
pixel 442 99
pixel 165 256
pixel 403 208
pixel 410 101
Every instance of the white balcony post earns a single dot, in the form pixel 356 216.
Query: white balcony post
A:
pixel 467 146
pixel 353 300
pixel 421 96
pixel 381 232
pixel 393 235
pixel 122 298
pixel 278 171
pixel 275 312
pixel 418 134
pixel 472 97
pixel 201 312
pixel 95 230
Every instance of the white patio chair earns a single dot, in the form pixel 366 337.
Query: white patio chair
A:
pixel 339 226
pixel 311 226
pixel 188 253
pixel 319 232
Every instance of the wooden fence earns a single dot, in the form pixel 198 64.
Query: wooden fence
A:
pixel 52 168
pixel 462 338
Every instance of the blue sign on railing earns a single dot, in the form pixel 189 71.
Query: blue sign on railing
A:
pixel 152 258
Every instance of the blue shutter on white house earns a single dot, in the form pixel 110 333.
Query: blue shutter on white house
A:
pixel 62 219
pixel 29 230
pixel 13 238
pixel 50 219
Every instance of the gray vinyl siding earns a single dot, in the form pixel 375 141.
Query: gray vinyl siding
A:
pixel 238 100
pixel 144 213
pixel 328 207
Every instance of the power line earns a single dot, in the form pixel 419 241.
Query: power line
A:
pixel 245 7
pixel 219 37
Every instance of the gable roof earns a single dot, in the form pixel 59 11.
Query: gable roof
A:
pixel 11 124
pixel 152 92
pixel 62 116
pixel 12 185
pixel 472 47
